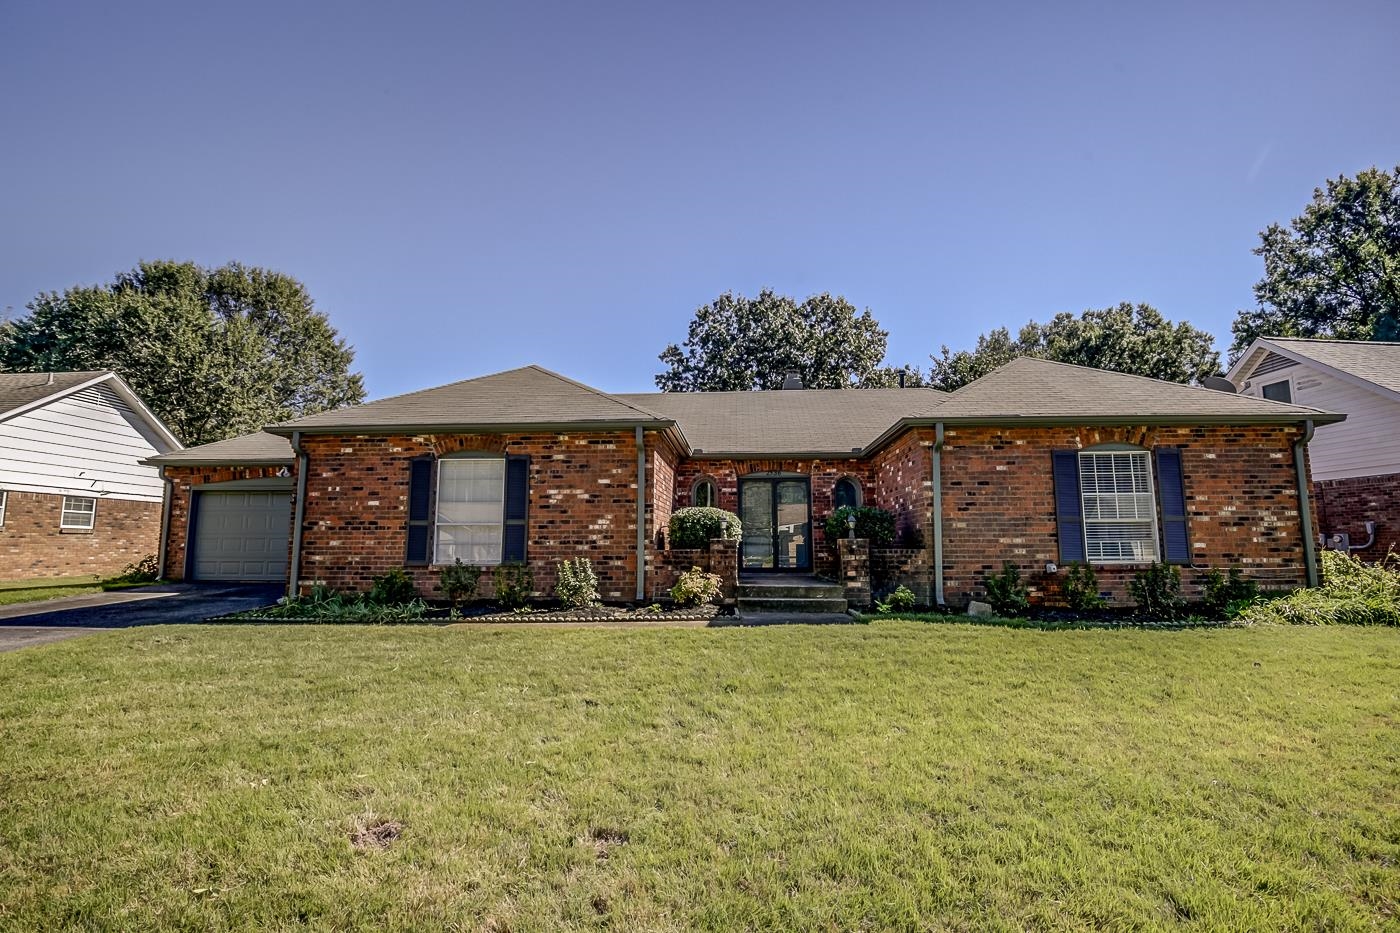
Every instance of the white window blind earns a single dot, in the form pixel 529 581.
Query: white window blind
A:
pixel 470 505
pixel 1120 511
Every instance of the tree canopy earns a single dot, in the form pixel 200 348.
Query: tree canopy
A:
pixel 737 343
pixel 1334 271
pixel 213 352
pixel 1127 338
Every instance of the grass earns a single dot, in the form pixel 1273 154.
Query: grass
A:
pixel 889 776
pixel 45 588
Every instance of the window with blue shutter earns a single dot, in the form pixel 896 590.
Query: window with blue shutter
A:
pixel 420 500
pixel 517 507
pixel 1069 509
pixel 1171 493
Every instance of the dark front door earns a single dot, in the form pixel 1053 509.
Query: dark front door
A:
pixel 777 518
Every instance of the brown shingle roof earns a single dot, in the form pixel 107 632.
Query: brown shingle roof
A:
pixel 530 395
pixel 257 448
pixel 19 389
pixel 1034 389
pixel 784 422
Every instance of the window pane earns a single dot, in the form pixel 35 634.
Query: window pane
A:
pixel 474 544
pixel 1120 513
pixel 471 497
pixel 705 494
pixel 1278 392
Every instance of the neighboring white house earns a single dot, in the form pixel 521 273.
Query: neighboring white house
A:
pixel 74 497
pixel 1356 463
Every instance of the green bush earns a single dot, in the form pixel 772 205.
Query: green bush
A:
pixel 577 584
pixel 1081 588
pixel 1225 596
pixel 901 600
pixel 1006 593
pixel 514 584
pixel 874 524
pixel 1353 592
pixel 393 589
pixel 325 605
pixel 142 571
pixel 696 588
pixel 693 528
pixel 1157 592
pixel 458 582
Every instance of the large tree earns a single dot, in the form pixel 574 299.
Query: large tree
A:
pixel 739 343
pixel 1127 338
pixel 1334 271
pixel 213 352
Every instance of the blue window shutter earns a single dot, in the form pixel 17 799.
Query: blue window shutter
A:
pixel 517 508
pixel 1171 496
pixel 420 501
pixel 1069 507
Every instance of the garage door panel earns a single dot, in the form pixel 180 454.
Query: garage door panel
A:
pixel 242 536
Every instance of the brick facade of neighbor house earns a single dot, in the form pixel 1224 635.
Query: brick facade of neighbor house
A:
pixel 582 503
pixel 1345 505
pixel 33 546
pixel 184 482
pixel 999 504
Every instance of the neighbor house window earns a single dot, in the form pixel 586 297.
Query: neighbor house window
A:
pixel 470 502
pixel 1120 514
pixel 846 493
pixel 79 513
pixel 703 494
pixel 1278 391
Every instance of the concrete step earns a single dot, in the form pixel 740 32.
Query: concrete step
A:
pixel 813 590
pixel 793 604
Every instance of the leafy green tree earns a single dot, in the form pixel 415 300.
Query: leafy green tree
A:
pixel 737 343
pixel 1126 338
pixel 1334 271
pixel 213 352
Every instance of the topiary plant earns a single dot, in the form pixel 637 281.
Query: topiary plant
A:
pixel 693 528
pixel 872 523
pixel 576 584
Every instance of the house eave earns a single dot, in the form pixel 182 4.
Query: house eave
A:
pixel 283 430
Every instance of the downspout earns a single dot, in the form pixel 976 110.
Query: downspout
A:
pixel 168 492
pixel 1300 448
pixel 938 515
pixel 294 571
pixel 641 515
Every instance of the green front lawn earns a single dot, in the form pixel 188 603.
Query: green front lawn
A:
pixel 46 588
pixel 891 776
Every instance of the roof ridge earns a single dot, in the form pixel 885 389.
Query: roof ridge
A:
pixel 598 392
pixel 1364 343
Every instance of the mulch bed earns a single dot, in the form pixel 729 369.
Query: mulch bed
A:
pixel 493 615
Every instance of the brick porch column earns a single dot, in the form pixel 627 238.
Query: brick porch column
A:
pixel 853 570
pixel 724 560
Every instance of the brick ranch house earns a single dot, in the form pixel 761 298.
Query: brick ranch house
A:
pixel 75 498
pixel 1037 463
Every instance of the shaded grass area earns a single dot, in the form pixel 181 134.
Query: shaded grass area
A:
pixel 32 591
pixel 889 776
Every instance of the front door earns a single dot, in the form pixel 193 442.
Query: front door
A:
pixel 777 517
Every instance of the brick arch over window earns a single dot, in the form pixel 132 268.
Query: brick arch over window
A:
pixel 704 491
pixel 446 444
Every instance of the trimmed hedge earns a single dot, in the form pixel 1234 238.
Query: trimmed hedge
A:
pixel 872 523
pixel 694 527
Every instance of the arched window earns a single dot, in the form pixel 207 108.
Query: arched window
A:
pixel 703 493
pixel 845 493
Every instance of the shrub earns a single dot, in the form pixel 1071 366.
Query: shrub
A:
pixel 693 528
pixel 325 605
pixel 696 588
pixel 577 584
pixel 143 570
pixel 1353 592
pixel 1006 593
pixel 901 600
pixel 392 589
pixel 458 582
pixel 872 523
pixel 1157 592
pixel 1225 596
pixel 1081 588
pixel 514 584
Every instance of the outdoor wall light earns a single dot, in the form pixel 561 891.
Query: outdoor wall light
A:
pixel 851 524
pixel 1051 567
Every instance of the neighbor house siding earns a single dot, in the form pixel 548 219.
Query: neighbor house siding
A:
pixel 999 504
pixel 32 545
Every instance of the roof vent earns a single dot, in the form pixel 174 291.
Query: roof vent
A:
pixel 1219 384
pixel 791 380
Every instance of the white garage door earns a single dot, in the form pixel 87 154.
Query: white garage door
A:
pixel 242 535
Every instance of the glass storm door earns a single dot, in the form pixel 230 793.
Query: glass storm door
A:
pixel 777 519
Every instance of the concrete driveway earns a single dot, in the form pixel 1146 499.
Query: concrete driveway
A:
pixel 69 616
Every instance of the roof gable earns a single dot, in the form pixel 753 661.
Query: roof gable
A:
pixel 528 396
pixel 23 392
pixel 259 448
pixel 1374 364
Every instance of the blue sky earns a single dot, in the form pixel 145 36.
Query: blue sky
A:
pixel 469 187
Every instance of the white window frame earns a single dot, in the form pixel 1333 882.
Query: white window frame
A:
pixel 1151 493
pixel 91 514
pixel 439 524
pixel 714 492
pixel 4 501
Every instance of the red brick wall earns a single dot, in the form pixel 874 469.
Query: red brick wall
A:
pixel 999 504
pixel 183 480
pixel 32 545
pixel 583 503
pixel 903 484
pixel 1345 505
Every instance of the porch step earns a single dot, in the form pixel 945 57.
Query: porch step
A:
pixel 790 594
